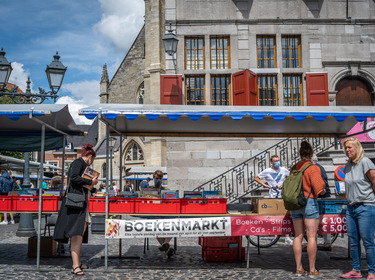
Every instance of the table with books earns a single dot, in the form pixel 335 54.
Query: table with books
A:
pixel 197 214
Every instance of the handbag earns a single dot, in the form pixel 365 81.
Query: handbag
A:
pixel 74 200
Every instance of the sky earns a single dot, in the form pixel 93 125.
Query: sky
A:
pixel 86 33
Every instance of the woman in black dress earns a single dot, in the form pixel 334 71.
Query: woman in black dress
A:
pixel 72 223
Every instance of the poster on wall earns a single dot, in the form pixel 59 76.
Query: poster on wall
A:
pixel 360 126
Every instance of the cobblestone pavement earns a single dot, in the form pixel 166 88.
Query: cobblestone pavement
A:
pixel 276 262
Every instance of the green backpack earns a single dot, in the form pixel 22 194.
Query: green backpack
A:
pixel 292 190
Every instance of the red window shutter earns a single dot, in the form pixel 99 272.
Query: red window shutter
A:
pixel 253 89
pixel 317 89
pixel 245 84
pixel 171 89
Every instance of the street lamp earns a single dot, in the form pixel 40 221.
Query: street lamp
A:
pixel 170 41
pixel 55 75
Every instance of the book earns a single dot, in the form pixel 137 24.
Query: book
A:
pixel 90 174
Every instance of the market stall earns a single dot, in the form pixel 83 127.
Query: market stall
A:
pixel 224 121
pixel 35 127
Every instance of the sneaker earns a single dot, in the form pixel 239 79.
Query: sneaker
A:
pixel 12 222
pixel 170 252
pixel 301 272
pixel 325 248
pixel 315 274
pixel 288 241
pixel 164 247
pixel 4 222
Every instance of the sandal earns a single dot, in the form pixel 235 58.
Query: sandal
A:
pixel 83 266
pixel 349 275
pixel 78 273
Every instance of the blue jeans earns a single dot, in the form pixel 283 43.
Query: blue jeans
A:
pixel 360 222
pixel 311 211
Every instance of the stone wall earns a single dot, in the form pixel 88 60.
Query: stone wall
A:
pixel 129 76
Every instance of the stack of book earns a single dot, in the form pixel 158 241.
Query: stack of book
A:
pixel 192 194
pixel 212 194
pixel 170 194
pixel 128 194
pixel 150 193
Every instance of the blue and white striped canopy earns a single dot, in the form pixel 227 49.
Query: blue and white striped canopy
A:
pixel 249 121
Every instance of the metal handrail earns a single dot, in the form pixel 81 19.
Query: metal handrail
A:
pixel 239 182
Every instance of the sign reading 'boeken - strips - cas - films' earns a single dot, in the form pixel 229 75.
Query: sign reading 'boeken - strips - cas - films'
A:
pixel 216 226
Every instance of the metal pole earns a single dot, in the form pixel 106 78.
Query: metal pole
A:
pixel 41 173
pixel 63 163
pixel 120 186
pixel 106 195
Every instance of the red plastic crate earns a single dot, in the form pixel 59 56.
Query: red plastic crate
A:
pixel 222 254
pixel 115 205
pixel 157 206
pixel 31 203
pixel 218 241
pixel 5 203
pixel 204 206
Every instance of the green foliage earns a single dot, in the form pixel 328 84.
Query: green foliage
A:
pixel 6 100
pixel 18 155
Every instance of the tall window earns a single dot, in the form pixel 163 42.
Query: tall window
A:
pixel 134 153
pixel 194 90
pixel 292 85
pixel 291 46
pixel 141 93
pixel 220 89
pixel 194 53
pixel 266 51
pixel 267 90
pixel 220 52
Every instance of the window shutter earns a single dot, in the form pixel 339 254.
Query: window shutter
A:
pixel 171 89
pixel 317 89
pixel 245 88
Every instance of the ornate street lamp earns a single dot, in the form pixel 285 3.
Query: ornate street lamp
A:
pixel 170 41
pixel 55 75
pixel 5 69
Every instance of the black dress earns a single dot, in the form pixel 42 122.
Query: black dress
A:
pixel 71 222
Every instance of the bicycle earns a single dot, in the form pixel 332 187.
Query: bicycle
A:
pixel 266 241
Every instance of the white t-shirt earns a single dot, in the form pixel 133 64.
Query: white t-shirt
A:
pixel 274 178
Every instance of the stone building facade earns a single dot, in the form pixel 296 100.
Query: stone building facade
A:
pixel 300 53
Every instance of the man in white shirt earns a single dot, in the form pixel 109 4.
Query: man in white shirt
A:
pixel 274 176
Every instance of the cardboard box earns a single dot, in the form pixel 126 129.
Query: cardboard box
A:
pixel 47 246
pixel 268 206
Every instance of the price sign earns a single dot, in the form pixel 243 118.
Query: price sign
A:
pixel 332 223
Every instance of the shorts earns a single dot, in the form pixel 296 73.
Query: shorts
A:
pixel 311 211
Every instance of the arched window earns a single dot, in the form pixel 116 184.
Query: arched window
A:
pixel 134 153
pixel 104 170
pixel 141 93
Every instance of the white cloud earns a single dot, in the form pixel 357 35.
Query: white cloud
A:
pixel 85 91
pixel 19 76
pixel 74 105
pixel 121 22
pixel 83 94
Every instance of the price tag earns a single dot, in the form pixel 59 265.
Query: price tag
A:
pixel 332 224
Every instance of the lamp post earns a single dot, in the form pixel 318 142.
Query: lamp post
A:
pixel 55 75
pixel 170 41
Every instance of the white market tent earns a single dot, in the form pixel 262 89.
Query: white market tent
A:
pixel 35 127
pixel 224 121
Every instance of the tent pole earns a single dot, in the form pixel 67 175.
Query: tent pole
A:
pixel 41 173
pixel 106 194
pixel 121 162
pixel 63 163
